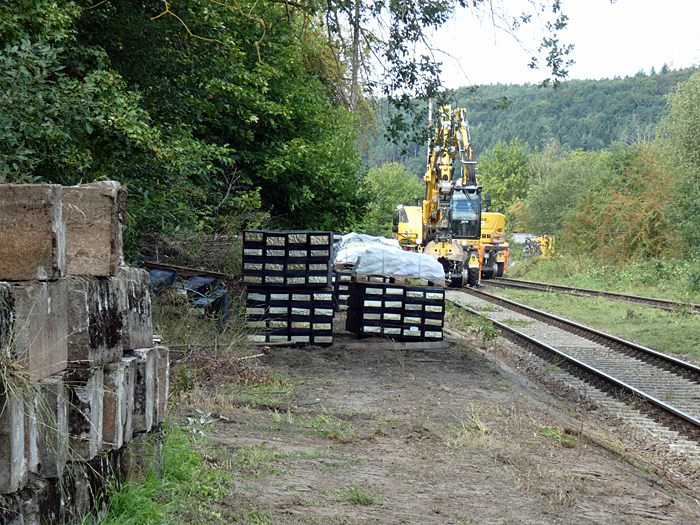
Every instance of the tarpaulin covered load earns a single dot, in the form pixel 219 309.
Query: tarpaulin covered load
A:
pixel 352 245
pixel 402 264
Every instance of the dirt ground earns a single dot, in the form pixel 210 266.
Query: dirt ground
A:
pixel 451 435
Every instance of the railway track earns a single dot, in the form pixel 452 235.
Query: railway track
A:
pixel 660 387
pixel 665 304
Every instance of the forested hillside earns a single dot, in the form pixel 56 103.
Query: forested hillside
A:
pixel 586 115
pixel 636 199
pixel 610 167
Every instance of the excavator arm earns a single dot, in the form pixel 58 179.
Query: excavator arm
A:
pixel 452 239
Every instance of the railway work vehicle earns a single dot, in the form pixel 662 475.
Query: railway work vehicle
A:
pixel 454 224
pixel 542 246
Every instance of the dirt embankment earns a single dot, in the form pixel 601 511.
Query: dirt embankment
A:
pixel 443 436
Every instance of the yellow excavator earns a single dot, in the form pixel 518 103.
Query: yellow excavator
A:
pixel 408 221
pixel 408 225
pixel 450 224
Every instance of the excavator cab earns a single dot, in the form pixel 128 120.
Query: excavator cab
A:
pixel 407 226
pixel 466 214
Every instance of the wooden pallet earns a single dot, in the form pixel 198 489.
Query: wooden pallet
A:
pixel 368 344
pixel 401 281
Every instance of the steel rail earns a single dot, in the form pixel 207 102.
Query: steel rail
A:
pixel 664 413
pixel 672 364
pixel 665 304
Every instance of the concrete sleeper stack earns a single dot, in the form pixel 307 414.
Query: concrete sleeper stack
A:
pixel 290 296
pixel 400 311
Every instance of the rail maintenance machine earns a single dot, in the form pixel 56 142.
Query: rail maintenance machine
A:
pixel 469 242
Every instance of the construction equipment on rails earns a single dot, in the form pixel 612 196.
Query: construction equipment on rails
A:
pixel 542 246
pixel 450 225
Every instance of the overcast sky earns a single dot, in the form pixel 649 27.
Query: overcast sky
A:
pixel 609 40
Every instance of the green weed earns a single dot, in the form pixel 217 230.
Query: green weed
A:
pixel 465 321
pixel 517 322
pixel 355 496
pixel 566 440
pixel 487 308
pixel 254 517
pixel 275 391
pixel 257 460
pixel 483 327
pixel 186 486
pixel 321 423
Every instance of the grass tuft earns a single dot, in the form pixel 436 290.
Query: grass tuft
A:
pixel 185 487
pixel 564 438
pixel 355 496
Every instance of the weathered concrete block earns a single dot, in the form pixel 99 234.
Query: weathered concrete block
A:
pixel 115 384
pixel 53 431
pixel 39 326
pixel 32 425
pixel 42 502
pixel 94 214
pixel 79 492
pixel 95 321
pixel 89 485
pixel 77 499
pixel 138 323
pixel 162 383
pixel 45 428
pixel 85 392
pixel 127 410
pixel 13 466
pixel 32 232
pixel 7 308
pixel 144 390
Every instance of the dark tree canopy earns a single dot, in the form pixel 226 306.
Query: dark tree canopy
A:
pixel 202 113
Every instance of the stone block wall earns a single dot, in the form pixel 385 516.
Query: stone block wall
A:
pixel 82 382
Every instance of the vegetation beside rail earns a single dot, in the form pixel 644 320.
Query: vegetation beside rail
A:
pixel 677 333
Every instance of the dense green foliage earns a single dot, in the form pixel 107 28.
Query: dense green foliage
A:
pixel 632 220
pixel 680 137
pixel 558 182
pixel 203 114
pixel 502 173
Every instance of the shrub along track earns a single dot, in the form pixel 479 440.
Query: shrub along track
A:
pixel 442 435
